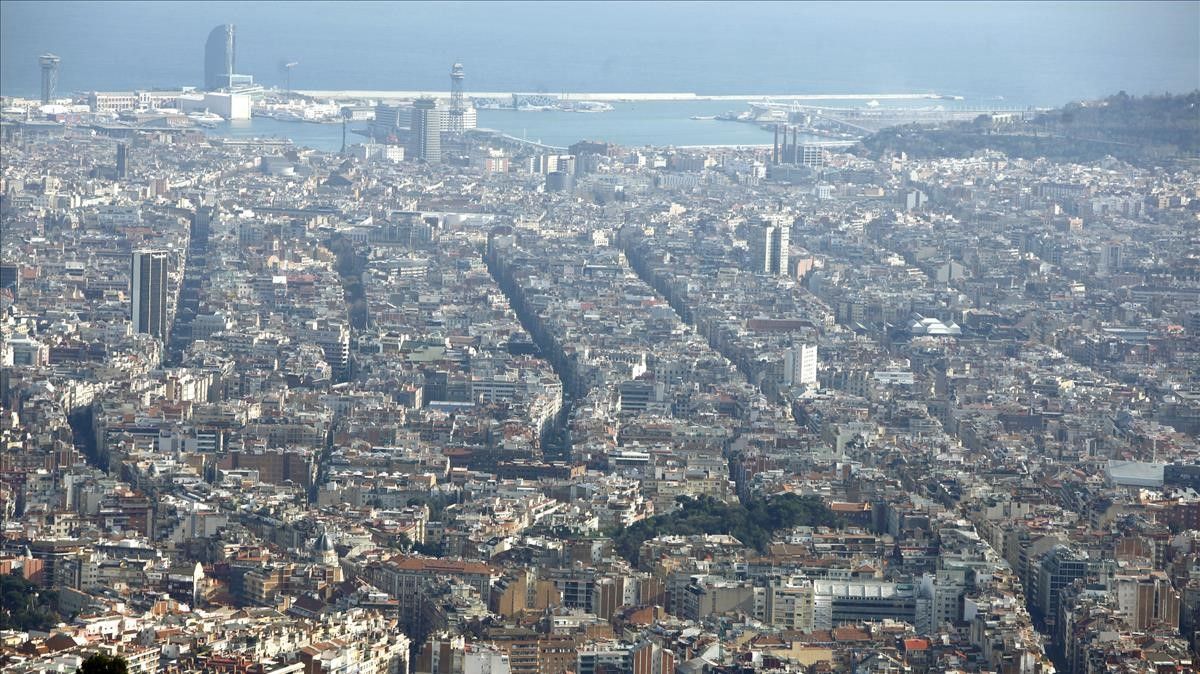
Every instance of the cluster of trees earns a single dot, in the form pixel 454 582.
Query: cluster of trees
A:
pixel 1137 130
pixel 560 532
pixel 427 549
pixel 754 523
pixel 24 607
pixel 1156 121
pixel 350 265
pixel 437 504
pixel 103 664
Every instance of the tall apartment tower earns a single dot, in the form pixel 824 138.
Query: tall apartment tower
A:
pixel 1110 258
pixel 122 161
pixel 769 241
pixel 800 365
pixel 202 221
pixel 425 135
pixel 10 277
pixel 1146 598
pixel 148 292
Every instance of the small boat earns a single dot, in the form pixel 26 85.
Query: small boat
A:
pixel 205 118
pixel 704 117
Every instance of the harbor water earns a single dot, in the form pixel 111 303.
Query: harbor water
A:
pixel 629 123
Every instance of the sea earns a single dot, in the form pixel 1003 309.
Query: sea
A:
pixel 631 124
pixel 1023 54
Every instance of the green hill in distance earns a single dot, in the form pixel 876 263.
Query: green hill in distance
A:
pixel 1147 131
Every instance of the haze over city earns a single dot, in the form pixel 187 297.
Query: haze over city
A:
pixel 1034 53
pixel 599 338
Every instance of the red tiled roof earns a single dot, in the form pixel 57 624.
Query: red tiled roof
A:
pixel 446 566
pixel 850 634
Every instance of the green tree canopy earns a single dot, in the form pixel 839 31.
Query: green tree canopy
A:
pixel 103 664
pixel 1141 130
pixel 23 606
pixel 753 523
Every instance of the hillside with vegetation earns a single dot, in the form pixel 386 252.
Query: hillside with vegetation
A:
pixel 23 606
pixel 754 523
pixel 1143 130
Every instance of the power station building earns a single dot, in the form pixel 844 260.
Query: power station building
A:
pixel 785 151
